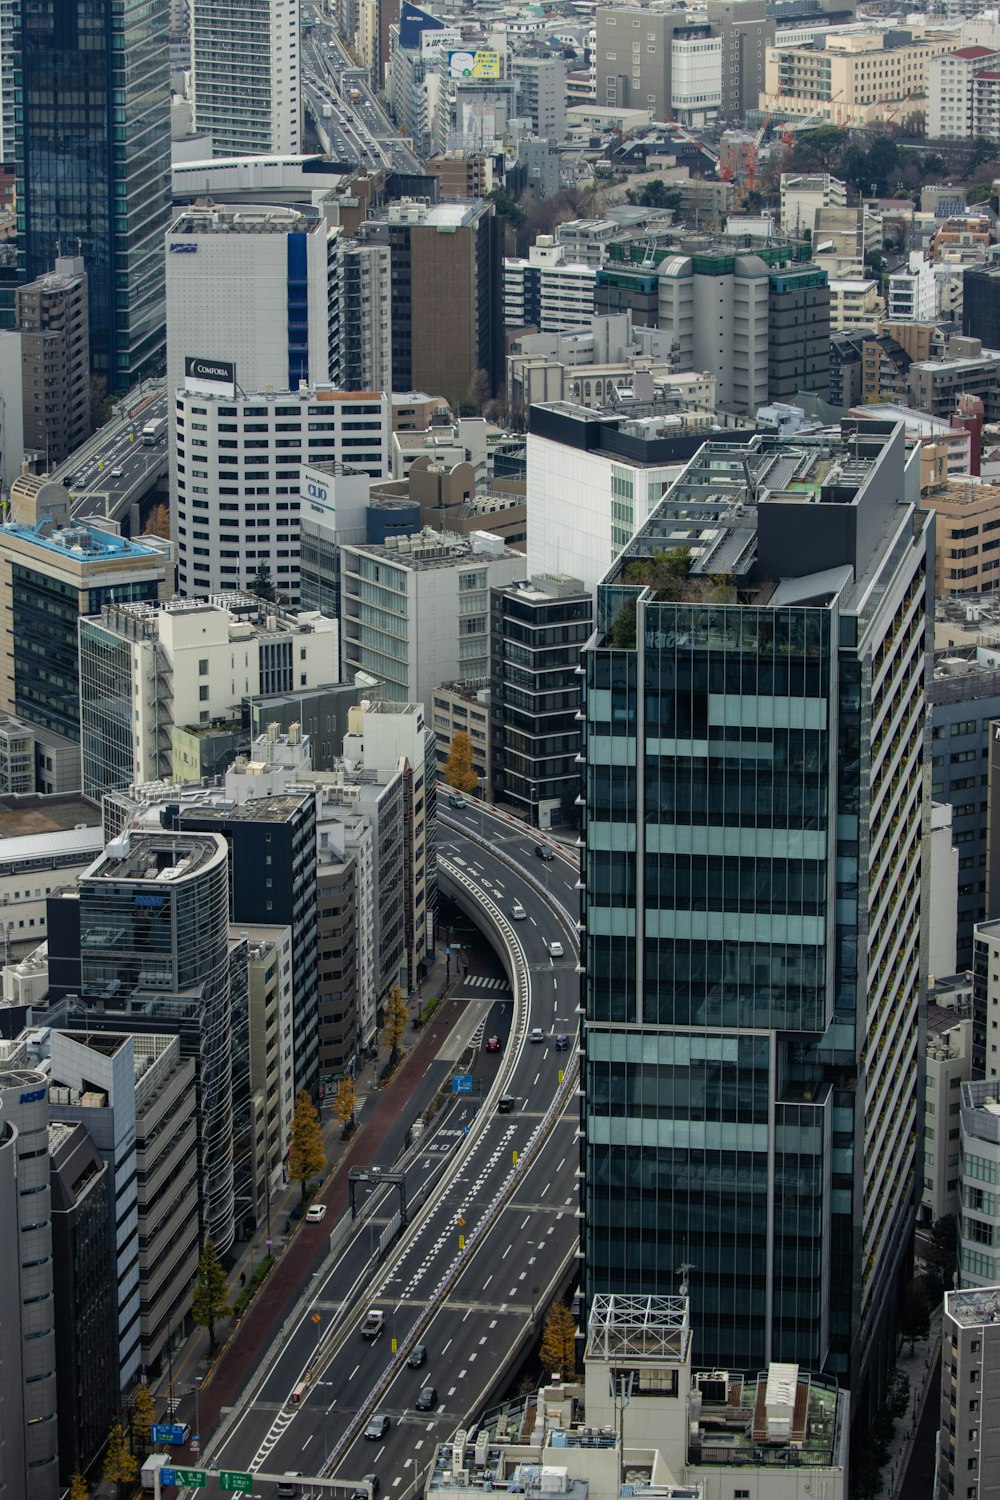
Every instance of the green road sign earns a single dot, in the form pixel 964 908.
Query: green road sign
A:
pixel 193 1478
pixel 232 1480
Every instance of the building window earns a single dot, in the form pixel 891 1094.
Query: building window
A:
pixel 203 667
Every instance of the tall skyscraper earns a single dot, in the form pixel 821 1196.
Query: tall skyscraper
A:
pixel 756 733
pixel 92 144
pixel 245 75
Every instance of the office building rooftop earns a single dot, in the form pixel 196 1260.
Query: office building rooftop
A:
pixel 724 510
pixel 977 1307
pixel 243 219
pixel 157 857
pixel 80 541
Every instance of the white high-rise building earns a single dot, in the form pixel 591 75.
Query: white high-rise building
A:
pixel 237 469
pixel 321 302
pixel 245 75
pixel 547 290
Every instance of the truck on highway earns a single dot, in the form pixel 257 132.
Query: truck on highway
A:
pixel 151 1467
pixel 355 96
pixel 373 1324
pixel 327 111
pixel 154 430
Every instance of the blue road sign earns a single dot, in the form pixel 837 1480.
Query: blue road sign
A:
pixel 166 1432
pixel 461 1083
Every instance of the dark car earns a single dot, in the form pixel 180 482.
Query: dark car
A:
pixel 544 852
pixel 562 1042
pixel 428 1399
pixel 494 1044
pixel 372 1481
pixel 377 1427
pixel 505 1104
pixel 417 1356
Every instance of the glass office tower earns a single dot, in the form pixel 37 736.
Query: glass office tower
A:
pixel 755 719
pixel 92 145
pixel 154 940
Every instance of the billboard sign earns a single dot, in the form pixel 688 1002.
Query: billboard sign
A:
pixel 412 21
pixel 437 41
pixel 210 377
pixel 317 491
pixel 480 64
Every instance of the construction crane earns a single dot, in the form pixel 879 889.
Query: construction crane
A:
pixel 750 152
pixel 789 134
pixel 891 114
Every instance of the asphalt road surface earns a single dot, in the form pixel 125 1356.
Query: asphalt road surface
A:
pixel 498 1287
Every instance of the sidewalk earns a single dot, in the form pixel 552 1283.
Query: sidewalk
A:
pixel 191 1363
pixel 918 1368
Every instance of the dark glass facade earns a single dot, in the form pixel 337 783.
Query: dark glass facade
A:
pixel 752 930
pixel 83 1247
pixel 92 141
pixel 535 643
pixel 733 791
pixel 154 922
pixel 45 613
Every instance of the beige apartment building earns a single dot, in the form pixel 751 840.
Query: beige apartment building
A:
pixel 853 79
pixel 855 303
pixel 967 549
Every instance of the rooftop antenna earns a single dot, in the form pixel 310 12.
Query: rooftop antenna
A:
pixel 682 1271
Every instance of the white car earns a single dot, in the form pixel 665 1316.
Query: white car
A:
pixel 556 950
pixel 517 912
pixel 536 1034
pixel 316 1214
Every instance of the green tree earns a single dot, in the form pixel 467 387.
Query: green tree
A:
pixel 623 630
pixel 306 1156
pixel 665 572
pixel 210 1293
pixel 655 194
pixel 345 1103
pixel 261 583
pixel 458 769
pixel 914 1318
pixel 121 1468
pixel 983 150
pixel 143 1417
pixel 507 207
pixel 396 1016
pixel 558 1352
pixel 79 1489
